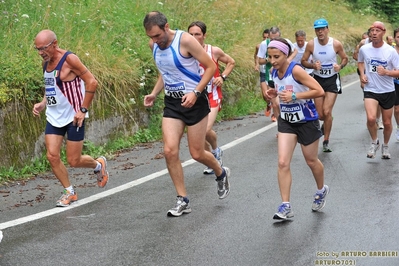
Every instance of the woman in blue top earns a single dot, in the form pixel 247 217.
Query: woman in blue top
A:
pixel 298 123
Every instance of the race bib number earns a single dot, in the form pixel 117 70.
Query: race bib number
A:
pixel 372 68
pixel 292 113
pixel 175 90
pixel 51 96
pixel 374 63
pixel 326 70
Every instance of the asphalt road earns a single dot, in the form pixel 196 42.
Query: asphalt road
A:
pixel 126 223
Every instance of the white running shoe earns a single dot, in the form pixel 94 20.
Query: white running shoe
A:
pixel 385 152
pixel 380 124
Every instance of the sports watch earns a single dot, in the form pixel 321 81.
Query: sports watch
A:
pixel 84 110
pixel 197 93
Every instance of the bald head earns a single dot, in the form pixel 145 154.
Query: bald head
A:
pixel 45 36
pixel 378 25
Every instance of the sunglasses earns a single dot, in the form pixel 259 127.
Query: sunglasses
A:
pixel 41 49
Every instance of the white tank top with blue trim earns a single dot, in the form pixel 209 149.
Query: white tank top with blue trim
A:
pixel 180 74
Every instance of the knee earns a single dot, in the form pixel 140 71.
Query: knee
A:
pixel 73 162
pixel 327 113
pixel 312 163
pixel 283 165
pixel 371 120
pixel 53 158
pixel 171 153
pixel 196 154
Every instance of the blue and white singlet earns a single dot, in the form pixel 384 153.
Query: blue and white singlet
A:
pixel 300 110
pixel 180 74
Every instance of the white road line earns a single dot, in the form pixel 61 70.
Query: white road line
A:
pixel 134 183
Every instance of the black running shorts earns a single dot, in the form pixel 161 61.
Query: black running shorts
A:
pixel 397 93
pixel 385 100
pixel 190 116
pixel 307 132
pixel 331 84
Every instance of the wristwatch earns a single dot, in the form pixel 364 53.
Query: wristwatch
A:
pixel 197 93
pixel 84 110
pixel 224 77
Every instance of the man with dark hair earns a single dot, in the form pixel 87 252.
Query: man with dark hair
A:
pixel 324 51
pixel 176 54
pixel 214 88
pixel 262 73
pixel 300 45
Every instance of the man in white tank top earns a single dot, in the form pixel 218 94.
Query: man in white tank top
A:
pixel 300 45
pixel 177 55
pixel 198 30
pixel 324 51
pixel 70 89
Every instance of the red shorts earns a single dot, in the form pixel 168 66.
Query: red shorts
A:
pixel 215 98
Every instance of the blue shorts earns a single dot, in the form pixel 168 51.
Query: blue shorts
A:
pixel 73 132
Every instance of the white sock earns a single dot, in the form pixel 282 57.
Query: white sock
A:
pixel 98 167
pixel 287 203
pixel 70 189
pixel 321 191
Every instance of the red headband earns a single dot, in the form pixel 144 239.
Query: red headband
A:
pixel 377 27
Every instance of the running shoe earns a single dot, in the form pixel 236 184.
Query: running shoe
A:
pixel 180 208
pixel 274 119
pixel 102 174
pixel 284 212
pixel 373 150
pixel 66 198
pixel 320 199
pixel 268 110
pixel 380 124
pixel 223 185
pixel 218 153
pixel 385 152
pixel 208 171
pixel 326 147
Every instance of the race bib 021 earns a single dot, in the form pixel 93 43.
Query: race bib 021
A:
pixel 292 113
